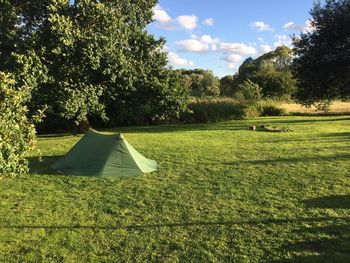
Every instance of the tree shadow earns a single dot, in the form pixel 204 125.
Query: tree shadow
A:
pixel 337 134
pixel 270 221
pixel 292 160
pixel 327 243
pixel 42 165
pixel 56 135
pixel 333 201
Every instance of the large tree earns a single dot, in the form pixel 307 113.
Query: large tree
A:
pixel 97 57
pixel 200 82
pixel 322 56
pixel 272 72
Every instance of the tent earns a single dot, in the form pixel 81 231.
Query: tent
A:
pixel 97 154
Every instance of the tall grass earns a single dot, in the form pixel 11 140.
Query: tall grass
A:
pixel 208 110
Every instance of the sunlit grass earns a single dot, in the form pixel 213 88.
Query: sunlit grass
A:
pixel 336 107
pixel 222 193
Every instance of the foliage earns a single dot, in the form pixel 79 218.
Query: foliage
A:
pixel 158 103
pixel 209 110
pixel 248 92
pixel 228 85
pixel 272 108
pixel 17 132
pixel 222 194
pixel 322 63
pixel 8 20
pixel 271 72
pixel 92 58
pixel 201 83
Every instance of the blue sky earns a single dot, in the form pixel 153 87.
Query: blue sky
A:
pixel 219 35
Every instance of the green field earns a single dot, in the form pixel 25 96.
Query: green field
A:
pixel 222 194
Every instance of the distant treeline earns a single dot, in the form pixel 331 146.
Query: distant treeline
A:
pixel 271 71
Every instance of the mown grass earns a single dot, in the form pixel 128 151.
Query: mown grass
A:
pixel 222 194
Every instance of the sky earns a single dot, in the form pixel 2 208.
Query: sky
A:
pixel 219 35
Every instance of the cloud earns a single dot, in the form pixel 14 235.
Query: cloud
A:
pixel 176 60
pixel 232 60
pixel 307 28
pixel 187 22
pixel 237 48
pixel 283 40
pixel 261 40
pixel 206 43
pixel 265 49
pixel 206 39
pixel 261 26
pixel 193 45
pixel 291 26
pixel 208 22
pixel 162 17
pixel 165 21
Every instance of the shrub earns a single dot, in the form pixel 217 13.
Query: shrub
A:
pixel 249 92
pixel 17 132
pixel 272 110
pixel 218 109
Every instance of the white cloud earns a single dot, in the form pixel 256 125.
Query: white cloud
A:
pixel 307 28
pixel 206 39
pixel 232 60
pixel 187 22
pixel 176 60
pixel 265 48
pixel 291 26
pixel 162 17
pixel 283 40
pixel 165 21
pixel 237 48
pixel 208 22
pixel 193 45
pixel 261 26
pixel 206 43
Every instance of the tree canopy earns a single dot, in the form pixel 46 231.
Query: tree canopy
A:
pixel 200 82
pixel 322 56
pixel 93 58
pixel 271 71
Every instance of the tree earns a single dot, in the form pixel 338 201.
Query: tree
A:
pixel 272 72
pixel 227 85
pixel 8 34
pixel 322 56
pixel 200 82
pixel 98 58
pixel 248 92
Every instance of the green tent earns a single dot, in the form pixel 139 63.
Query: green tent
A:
pixel 98 154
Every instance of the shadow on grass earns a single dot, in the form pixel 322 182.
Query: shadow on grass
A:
pixel 233 125
pixel 42 166
pixel 292 160
pixel 333 201
pixel 328 243
pixel 181 225
pixel 337 134
pixel 64 134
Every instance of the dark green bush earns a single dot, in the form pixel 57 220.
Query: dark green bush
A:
pixel 272 110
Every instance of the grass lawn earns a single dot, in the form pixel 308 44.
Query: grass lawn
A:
pixel 222 194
